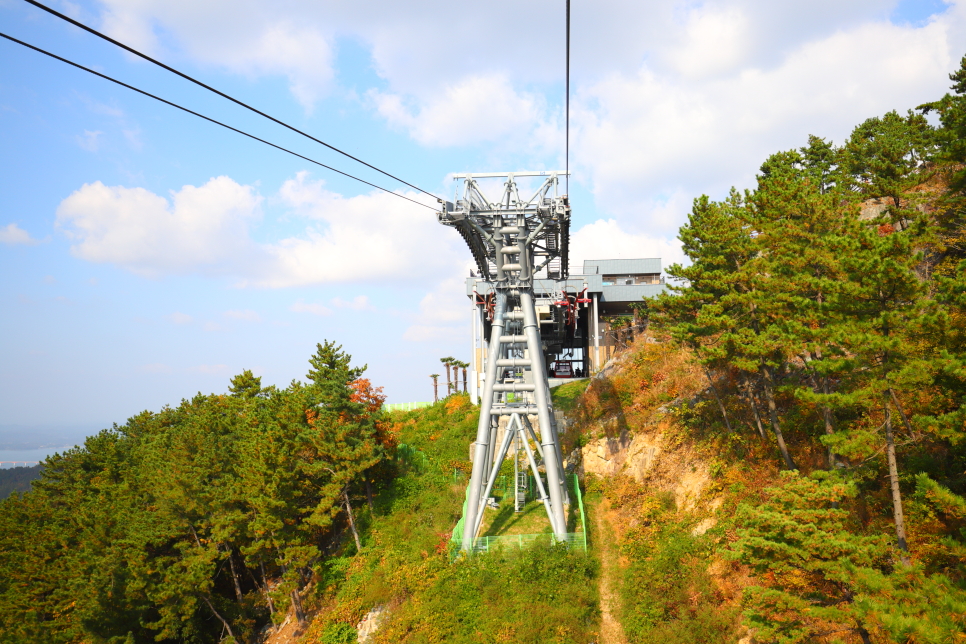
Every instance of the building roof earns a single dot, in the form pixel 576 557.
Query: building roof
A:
pixel 648 266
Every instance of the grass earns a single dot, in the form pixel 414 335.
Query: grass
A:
pixel 504 521
pixel 541 594
pixel 565 396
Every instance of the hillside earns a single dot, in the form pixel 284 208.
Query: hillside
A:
pixel 778 456
pixel 17 479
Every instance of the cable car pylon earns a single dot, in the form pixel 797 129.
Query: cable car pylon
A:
pixel 513 239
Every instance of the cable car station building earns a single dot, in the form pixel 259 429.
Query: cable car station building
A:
pixel 573 315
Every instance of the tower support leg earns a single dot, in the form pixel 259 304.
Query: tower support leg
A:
pixel 541 396
pixel 484 433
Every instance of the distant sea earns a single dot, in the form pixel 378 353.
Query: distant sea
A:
pixel 35 443
pixel 31 456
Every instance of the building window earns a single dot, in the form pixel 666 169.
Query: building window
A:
pixel 631 280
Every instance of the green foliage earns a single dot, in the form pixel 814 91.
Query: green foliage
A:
pixel 828 305
pixel 170 527
pixel 669 595
pixel 542 594
pixel 339 633
pixel 17 479
pixel 565 396
pixel 823 575
pixel 538 594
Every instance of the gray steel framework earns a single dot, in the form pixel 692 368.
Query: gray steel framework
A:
pixel 512 239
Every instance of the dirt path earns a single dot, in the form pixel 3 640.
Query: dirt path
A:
pixel 611 631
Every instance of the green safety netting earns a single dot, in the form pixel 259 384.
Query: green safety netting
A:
pixel 410 406
pixel 485 544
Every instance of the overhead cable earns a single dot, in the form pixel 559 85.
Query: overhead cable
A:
pixel 209 119
pixel 222 94
pixel 567 101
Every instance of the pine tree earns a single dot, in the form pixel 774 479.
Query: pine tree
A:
pixel 246 384
pixel 805 219
pixel 723 312
pixel 820 574
pixel 798 540
pixel 886 157
pixel 344 444
pixel 885 304
pixel 718 247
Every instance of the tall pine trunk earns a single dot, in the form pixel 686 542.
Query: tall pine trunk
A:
pixel 768 387
pixel 905 419
pixel 221 619
pixel 820 384
pixel 724 414
pixel 894 483
pixel 297 606
pixel 750 397
pixel 268 594
pixel 234 575
pixel 352 521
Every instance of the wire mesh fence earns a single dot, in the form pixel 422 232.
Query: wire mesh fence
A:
pixel 409 406
pixel 489 543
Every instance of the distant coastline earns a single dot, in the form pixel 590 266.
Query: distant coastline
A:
pixel 53 438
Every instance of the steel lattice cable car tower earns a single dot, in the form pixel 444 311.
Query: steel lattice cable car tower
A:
pixel 511 240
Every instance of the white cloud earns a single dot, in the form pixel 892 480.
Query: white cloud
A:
pixel 717 39
pixel 179 318
pixel 358 303
pixel 376 237
pixel 670 100
pixel 307 307
pixel 90 140
pixel 244 314
pixel 13 235
pixel 475 110
pixel 249 39
pixel 605 239
pixel 444 314
pixel 212 369
pixel 202 229
pixel 654 131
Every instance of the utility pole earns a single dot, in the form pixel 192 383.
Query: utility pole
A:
pixel 512 239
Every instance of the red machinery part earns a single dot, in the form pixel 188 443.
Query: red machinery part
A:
pixel 488 302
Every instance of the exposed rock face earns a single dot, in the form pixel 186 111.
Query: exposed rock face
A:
pixel 371 623
pixel 612 365
pixel 872 208
pixel 642 455
pixel 632 455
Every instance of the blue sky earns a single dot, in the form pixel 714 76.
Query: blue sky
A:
pixel 146 255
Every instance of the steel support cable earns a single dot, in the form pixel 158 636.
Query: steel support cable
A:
pixel 209 119
pixel 222 94
pixel 567 101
